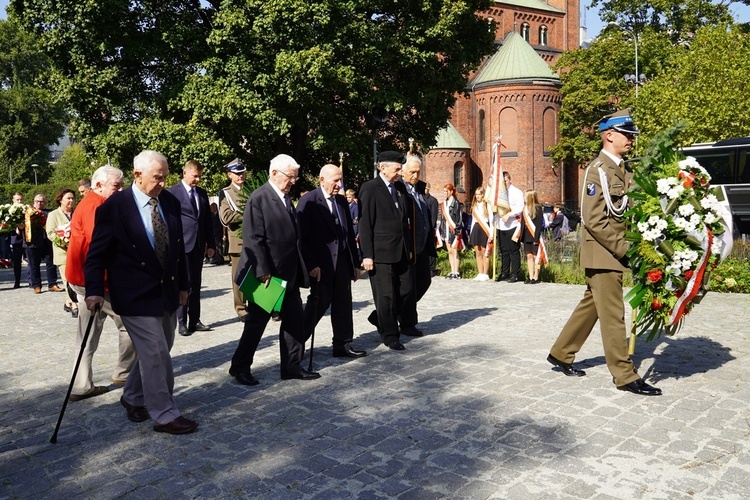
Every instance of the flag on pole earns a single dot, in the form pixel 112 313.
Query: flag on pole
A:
pixel 497 191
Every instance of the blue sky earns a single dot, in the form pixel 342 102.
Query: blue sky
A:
pixel 593 23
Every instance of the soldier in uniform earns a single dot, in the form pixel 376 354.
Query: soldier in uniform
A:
pixel 603 199
pixel 230 215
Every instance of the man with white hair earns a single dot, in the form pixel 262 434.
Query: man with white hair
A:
pixel 137 242
pixel 270 248
pixel 330 253
pixel 106 181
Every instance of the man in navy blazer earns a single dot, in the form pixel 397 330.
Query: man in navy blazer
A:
pixel 270 247
pixel 386 241
pixel 330 254
pixel 197 231
pixel 137 242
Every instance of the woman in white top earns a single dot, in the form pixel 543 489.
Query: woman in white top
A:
pixel 480 236
pixel 450 229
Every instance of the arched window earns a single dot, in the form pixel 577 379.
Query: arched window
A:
pixel 458 175
pixel 525 31
pixel 481 131
pixel 542 35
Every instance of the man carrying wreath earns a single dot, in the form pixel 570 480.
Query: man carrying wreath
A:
pixel 603 197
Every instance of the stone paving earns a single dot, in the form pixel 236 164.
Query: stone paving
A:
pixel 470 410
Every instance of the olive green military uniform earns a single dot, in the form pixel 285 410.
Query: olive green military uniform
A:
pixel 231 217
pixel 603 246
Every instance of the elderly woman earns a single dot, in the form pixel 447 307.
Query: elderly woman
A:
pixel 58 232
pixel 450 229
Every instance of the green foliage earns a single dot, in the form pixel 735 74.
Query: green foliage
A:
pixel 733 275
pixel 253 78
pixel 31 116
pixel 75 164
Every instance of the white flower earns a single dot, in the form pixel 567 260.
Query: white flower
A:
pixel 643 227
pixel 695 219
pixel 688 163
pixel 686 209
pixel 680 222
pixel 651 234
pixel 663 185
pixel 710 218
pixel 675 191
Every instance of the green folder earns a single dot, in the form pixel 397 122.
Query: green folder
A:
pixel 268 298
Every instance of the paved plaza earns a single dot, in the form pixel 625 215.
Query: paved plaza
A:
pixel 470 410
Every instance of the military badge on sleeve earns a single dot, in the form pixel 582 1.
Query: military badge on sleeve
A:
pixel 591 189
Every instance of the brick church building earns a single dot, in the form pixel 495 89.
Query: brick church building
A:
pixel 514 94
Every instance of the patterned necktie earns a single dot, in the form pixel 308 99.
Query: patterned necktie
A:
pixel 160 232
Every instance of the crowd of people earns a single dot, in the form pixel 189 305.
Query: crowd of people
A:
pixel 135 255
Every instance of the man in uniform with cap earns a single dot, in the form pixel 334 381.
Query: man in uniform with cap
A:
pixel 603 197
pixel 386 242
pixel 231 217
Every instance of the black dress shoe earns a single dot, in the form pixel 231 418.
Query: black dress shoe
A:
pixel 348 352
pixel 135 413
pixel 300 375
pixel 411 331
pixel 245 378
pixel 640 387
pixel 513 279
pixel 199 327
pixel 396 346
pixel 502 277
pixel 566 368
pixel 182 330
pixel 373 318
pixel 180 425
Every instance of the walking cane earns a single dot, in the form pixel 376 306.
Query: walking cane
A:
pixel 53 439
pixel 312 335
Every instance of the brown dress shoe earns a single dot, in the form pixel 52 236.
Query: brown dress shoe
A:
pixel 55 288
pixel 37 289
pixel 135 413
pixel 98 390
pixel 180 425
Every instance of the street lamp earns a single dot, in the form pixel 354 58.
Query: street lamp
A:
pixel 637 79
pixel 34 166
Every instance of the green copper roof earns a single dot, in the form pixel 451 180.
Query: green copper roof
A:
pixel 515 60
pixel 449 138
pixel 532 4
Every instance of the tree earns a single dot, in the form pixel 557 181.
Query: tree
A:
pixel 697 77
pixel 30 115
pixel 707 86
pixel 254 78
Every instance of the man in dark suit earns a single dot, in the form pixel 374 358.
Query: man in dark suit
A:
pixel 434 206
pixel 270 247
pixel 385 234
pixel 137 242
pixel 198 234
pixel 423 244
pixel 602 255
pixel 330 253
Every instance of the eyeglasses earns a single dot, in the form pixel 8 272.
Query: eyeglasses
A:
pixel 290 177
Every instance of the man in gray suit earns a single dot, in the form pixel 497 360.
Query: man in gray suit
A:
pixel 270 248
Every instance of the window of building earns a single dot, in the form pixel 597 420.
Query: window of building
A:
pixel 525 31
pixel 458 175
pixel 480 130
pixel 542 35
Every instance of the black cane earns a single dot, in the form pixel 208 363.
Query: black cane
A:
pixel 312 334
pixel 53 439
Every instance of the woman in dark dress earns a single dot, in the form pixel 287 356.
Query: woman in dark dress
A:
pixel 450 229
pixel 532 223
pixel 480 236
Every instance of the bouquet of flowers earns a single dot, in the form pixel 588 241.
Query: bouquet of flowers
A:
pixel 680 230
pixel 11 216
pixel 34 219
pixel 62 236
